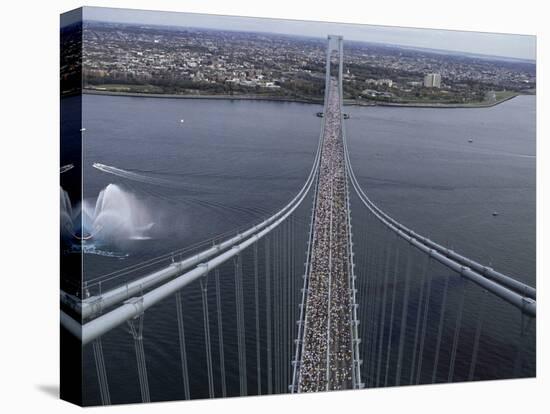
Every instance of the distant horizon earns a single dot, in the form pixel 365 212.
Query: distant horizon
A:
pixel 493 45
pixel 398 46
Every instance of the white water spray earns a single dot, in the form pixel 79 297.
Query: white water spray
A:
pixel 115 218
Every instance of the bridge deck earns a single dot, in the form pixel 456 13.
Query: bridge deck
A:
pixel 326 362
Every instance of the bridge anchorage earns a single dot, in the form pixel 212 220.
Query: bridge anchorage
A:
pixel 377 304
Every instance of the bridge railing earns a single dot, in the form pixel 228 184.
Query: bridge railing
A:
pixel 301 322
pixel 354 319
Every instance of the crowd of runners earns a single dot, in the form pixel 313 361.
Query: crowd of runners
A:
pixel 326 360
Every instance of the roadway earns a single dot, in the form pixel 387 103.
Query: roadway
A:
pixel 326 360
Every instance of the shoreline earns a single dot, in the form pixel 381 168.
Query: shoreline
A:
pixel 445 105
pixel 215 97
pixel 347 102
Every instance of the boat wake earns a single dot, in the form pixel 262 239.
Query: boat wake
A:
pixel 130 175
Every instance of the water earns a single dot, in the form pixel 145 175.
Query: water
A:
pixel 418 165
pixel 229 164
pixel 233 162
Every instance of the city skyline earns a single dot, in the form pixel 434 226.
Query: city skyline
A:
pixel 510 46
pixel 180 60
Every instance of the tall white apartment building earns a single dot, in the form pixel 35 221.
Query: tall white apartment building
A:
pixel 432 80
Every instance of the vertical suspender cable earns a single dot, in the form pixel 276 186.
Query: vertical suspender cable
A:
pixel 477 336
pixel 183 352
pixel 137 334
pixel 377 323
pixel 424 325
pixel 220 331
pixel 370 319
pixel 101 372
pixel 392 312
pixel 418 314
pixel 440 328
pixel 526 322
pixel 284 324
pixel 257 309
pixel 268 313
pixel 241 343
pixel 457 330
pixel 281 306
pixel 290 305
pixel 276 323
pixel 206 324
pixel 292 314
pixel 366 303
pixel 404 315
pixel 367 277
pixel 383 317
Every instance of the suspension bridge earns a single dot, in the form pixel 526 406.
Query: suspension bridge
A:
pixel 401 309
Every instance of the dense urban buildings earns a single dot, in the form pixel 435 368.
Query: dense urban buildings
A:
pixel 190 61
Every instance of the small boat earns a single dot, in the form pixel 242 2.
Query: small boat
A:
pixel 470 140
pixel 346 116
pixel 182 120
pixel 84 237
pixel 320 114
pixel 66 168
pixel 495 213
